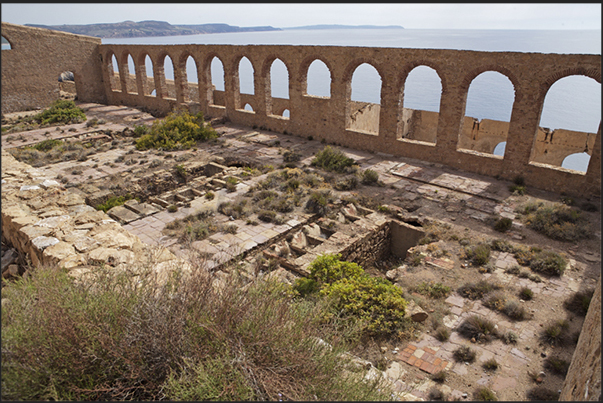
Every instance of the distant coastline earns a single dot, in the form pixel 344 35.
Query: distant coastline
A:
pixel 131 29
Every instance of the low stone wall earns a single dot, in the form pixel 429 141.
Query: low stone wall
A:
pixel 54 226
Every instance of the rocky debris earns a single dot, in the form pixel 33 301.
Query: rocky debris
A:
pixel 415 312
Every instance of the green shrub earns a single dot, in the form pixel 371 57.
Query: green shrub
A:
pixel 464 354
pixel 114 201
pixel 518 189
pixel 433 290
pixel 579 302
pixel 501 245
pixel 172 208
pixel 318 202
pixel 442 333
pixel 503 224
pixel 61 112
pixel 477 290
pixel 510 337
pixel 47 145
pixel 555 332
pixel 484 394
pixel 479 255
pixel 179 130
pixel 516 269
pixel 477 327
pixel 140 130
pixel 556 365
pixel 540 393
pixel 333 159
pixel 370 177
pixel 548 262
pixel 210 195
pixel 376 303
pixel 183 340
pixel 526 293
pixel 490 365
pixel 558 221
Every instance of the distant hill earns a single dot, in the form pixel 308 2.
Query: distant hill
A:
pixel 335 26
pixel 131 29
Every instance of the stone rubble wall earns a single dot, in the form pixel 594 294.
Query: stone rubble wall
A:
pixel 55 226
pixel 583 380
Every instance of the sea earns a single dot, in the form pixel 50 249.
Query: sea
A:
pixel 572 103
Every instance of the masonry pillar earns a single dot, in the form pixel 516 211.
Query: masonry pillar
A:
pixel 180 80
pixel 388 118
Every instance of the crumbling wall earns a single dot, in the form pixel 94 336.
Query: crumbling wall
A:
pixel 31 68
pixel 324 118
pixel 583 379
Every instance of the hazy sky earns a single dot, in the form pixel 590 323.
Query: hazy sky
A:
pixel 412 16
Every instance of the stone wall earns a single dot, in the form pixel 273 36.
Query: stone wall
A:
pixel 330 118
pixel 583 380
pixel 31 68
pixel 55 226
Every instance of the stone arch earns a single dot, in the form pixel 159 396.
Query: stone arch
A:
pixel 248 108
pixel 577 162
pixel 408 68
pixel 274 78
pixel 213 96
pixel 190 89
pixel 168 84
pixel 129 73
pixel 7 44
pixel 243 81
pixel 414 123
pixel 305 67
pixel 483 132
pixel 145 61
pixel 362 116
pixel 472 74
pixel 111 66
pixel 238 62
pixel 266 76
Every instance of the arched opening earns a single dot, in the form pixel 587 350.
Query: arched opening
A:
pixel 148 78
pixel 131 76
pixel 113 69
pixel 6 44
pixel 168 72
pixel 500 148
pixel 217 81
pixel 577 162
pixel 248 108
pixel 67 89
pixel 487 113
pixel 192 85
pixel 246 83
pixel 279 80
pixel 365 100
pixel 570 119
pixel 319 79
pixel 286 113
pixel 419 113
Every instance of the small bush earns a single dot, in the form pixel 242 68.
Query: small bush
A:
pixel 178 131
pixel 501 245
pixel 490 365
pixel 526 294
pixel 517 189
pixel 558 221
pixel 172 208
pixel 370 177
pixel 496 300
pixel 515 311
pixel 442 333
pixel 291 156
pixel 436 394
pixel 503 224
pixel 439 377
pixel 555 332
pixel 548 262
pixel 579 302
pixel 477 290
pixel 318 202
pixel 479 255
pixel 464 354
pixel 484 394
pixel 348 183
pixel 513 270
pixel 267 215
pixel 114 201
pixel 61 112
pixel 557 365
pixel 510 337
pixel 47 145
pixel 333 159
pixel 477 327
pixel 540 393
pixel 433 290
pixel 210 195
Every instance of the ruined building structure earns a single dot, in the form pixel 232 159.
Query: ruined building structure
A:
pixel 37 57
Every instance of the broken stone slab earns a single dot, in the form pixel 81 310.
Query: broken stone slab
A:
pixel 99 197
pixel 111 256
pixel 117 239
pixel 53 221
pixel 59 251
pixel 299 240
pixel 415 312
pixel 122 214
pixel 70 199
pixel 84 243
pixel 143 209
pixel 213 168
pixel 312 229
pixel 86 217
pixel 31 231
pixel 48 183
pixel 43 242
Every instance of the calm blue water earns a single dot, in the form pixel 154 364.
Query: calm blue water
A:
pixel 572 103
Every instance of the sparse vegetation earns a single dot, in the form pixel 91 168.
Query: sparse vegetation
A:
pixel 556 365
pixel 478 328
pixel 464 354
pixel 491 364
pixel 442 333
pixel 510 337
pixel 526 293
pixel 370 177
pixel 503 224
pixel 439 377
pixel 557 221
pixel 540 393
pixel 477 290
pixel 484 394
pixel 579 302
pixel 555 332
pixel 114 201
pixel 433 290
pixel 479 255
pixel 333 159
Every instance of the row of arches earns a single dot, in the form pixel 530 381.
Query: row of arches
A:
pixel 490 97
